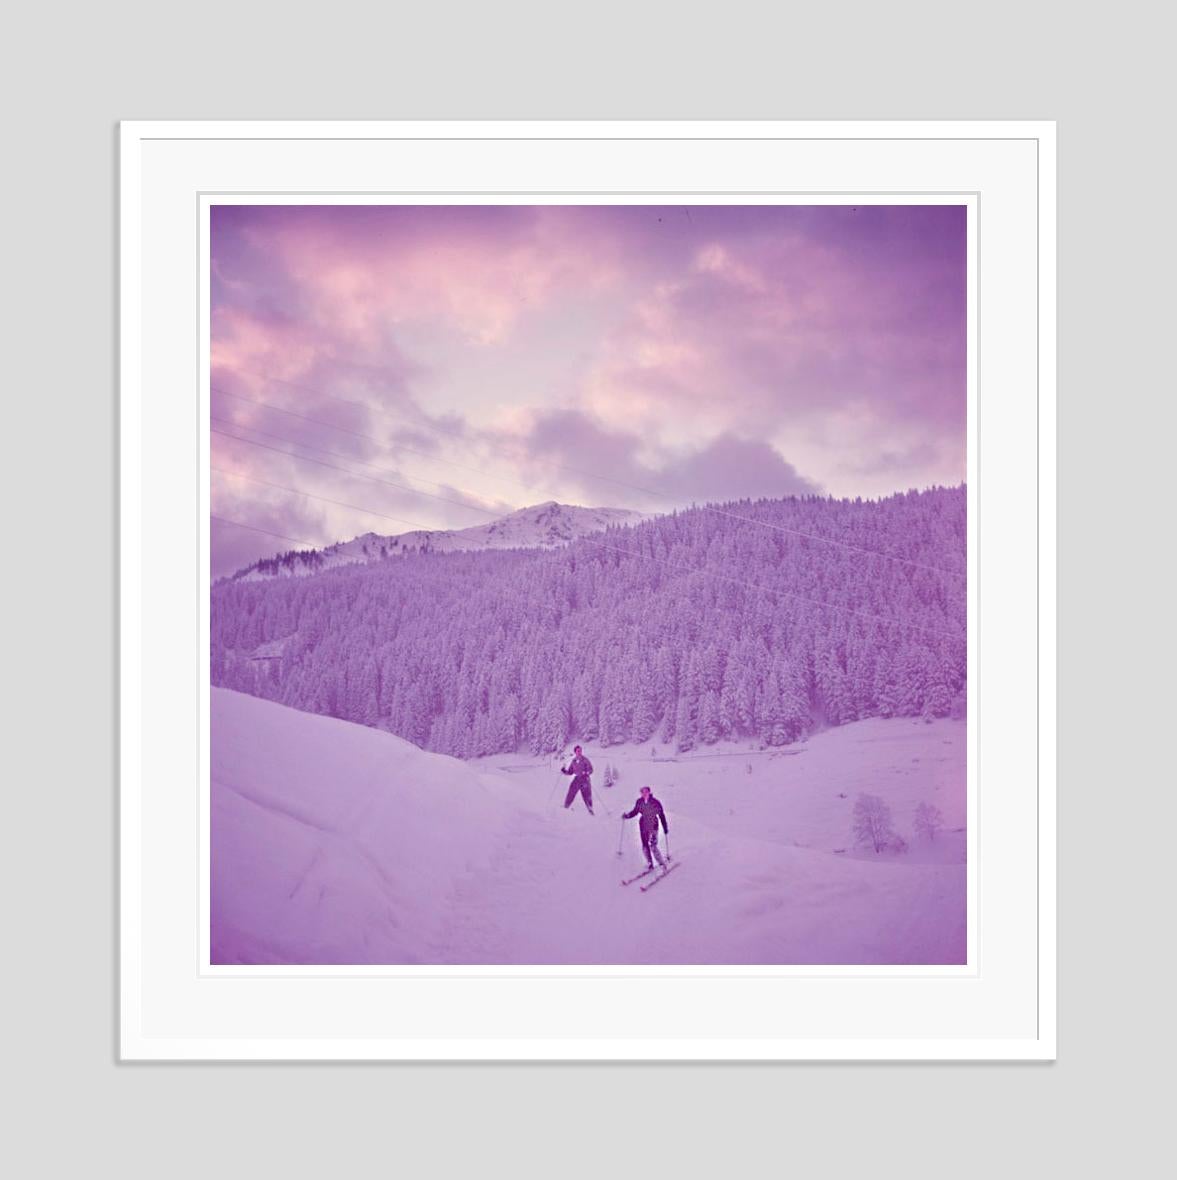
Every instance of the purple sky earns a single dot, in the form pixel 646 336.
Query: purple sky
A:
pixel 497 356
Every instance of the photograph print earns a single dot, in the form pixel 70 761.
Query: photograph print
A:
pixel 588 584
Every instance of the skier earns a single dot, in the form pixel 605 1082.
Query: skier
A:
pixel 580 767
pixel 650 809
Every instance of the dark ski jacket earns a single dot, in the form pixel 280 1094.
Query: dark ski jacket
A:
pixel 651 812
pixel 579 766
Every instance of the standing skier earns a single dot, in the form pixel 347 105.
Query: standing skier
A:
pixel 580 767
pixel 650 809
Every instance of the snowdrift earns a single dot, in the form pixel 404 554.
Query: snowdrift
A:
pixel 331 842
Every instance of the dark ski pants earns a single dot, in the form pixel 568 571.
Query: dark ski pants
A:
pixel 583 787
pixel 650 843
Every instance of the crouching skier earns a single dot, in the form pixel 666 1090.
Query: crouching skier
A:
pixel 580 767
pixel 650 809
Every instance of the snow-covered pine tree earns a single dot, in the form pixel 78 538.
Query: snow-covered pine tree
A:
pixel 745 705
pixel 506 726
pixel 665 680
pixel 911 681
pixel 728 723
pixel 709 728
pixel 645 708
pixel 585 707
pixel 794 700
pixel 452 636
pixel 553 724
pixel 613 713
pixel 684 723
pixel 771 712
pixel 937 700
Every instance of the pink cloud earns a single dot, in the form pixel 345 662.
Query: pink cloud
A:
pixel 705 351
pixel 755 332
pixel 361 286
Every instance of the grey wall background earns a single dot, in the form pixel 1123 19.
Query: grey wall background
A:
pixel 73 71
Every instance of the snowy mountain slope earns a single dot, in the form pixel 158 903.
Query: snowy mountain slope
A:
pixel 540 526
pixel 694 626
pixel 335 843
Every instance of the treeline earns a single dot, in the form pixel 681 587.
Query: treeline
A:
pixel 304 559
pixel 716 622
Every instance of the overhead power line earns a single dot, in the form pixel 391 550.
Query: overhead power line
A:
pixel 253 528
pixel 356 474
pixel 768 589
pixel 326 500
pixel 395 446
pixel 619 549
pixel 349 459
pixel 845 545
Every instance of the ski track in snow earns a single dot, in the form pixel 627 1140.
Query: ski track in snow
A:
pixel 333 843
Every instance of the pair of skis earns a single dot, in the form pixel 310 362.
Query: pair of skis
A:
pixel 651 871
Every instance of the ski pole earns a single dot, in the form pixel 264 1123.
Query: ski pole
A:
pixel 620 837
pixel 668 856
pixel 555 781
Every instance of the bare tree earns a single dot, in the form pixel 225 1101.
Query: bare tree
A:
pixel 872 822
pixel 928 821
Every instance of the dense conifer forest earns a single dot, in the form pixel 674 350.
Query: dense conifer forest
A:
pixel 756 620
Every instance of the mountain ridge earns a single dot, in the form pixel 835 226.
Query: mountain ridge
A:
pixel 536 526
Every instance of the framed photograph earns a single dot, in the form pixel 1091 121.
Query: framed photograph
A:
pixel 587 591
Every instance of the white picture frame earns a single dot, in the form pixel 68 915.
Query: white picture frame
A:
pixel 174 1006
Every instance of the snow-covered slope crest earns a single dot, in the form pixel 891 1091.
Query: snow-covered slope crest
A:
pixel 333 843
pixel 540 526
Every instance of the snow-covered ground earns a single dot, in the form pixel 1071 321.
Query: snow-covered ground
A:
pixel 334 843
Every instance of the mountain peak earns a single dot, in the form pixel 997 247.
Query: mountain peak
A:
pixel 536 526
